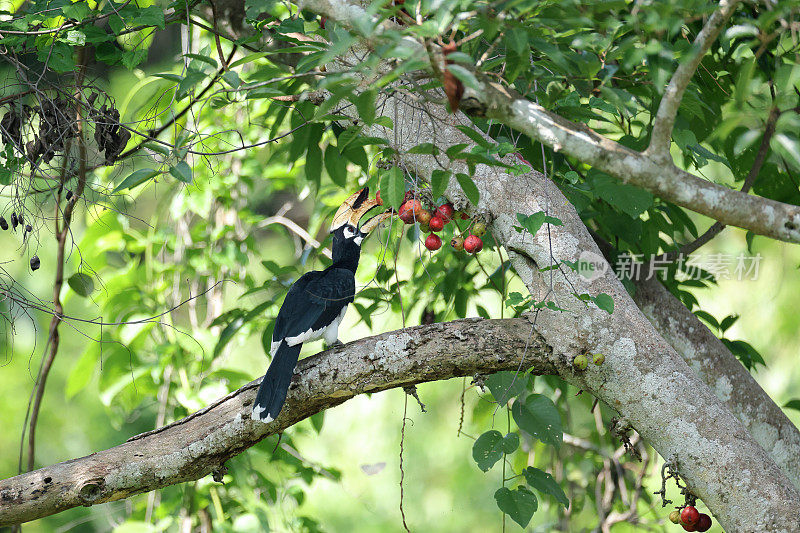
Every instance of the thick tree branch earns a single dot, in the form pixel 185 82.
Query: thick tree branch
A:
pixel 201 443
pixel 759 215
pixel 673 95
pixel 724 375
pixel 643 377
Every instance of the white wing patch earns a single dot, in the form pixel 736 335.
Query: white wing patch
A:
pixel 331 333
pixel 307 336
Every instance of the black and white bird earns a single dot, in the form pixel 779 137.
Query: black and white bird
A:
pixel 316 303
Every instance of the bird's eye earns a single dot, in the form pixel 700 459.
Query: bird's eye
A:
pixel 349 232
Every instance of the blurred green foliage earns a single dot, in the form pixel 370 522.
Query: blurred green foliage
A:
pixel 181 255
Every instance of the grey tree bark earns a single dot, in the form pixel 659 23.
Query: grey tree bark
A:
pixel 200 444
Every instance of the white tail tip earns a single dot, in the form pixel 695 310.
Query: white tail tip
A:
pixel 257 410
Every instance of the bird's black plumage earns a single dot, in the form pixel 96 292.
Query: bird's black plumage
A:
pixel 313 308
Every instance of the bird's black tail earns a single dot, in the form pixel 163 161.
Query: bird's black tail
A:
pixel 275 385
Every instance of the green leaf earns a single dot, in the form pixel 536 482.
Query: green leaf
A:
pixel 247 59
pixel 169 76
pixel 518 52
pixel 787 146
pixel 82 284
pixel 473 134
pixel 205 59
pixel 365 105
pixel 507 385
pixel 76 38
pixel 532 223
pixel 425 148
pixel 519 504
pixel 132 58
pixel 336 165
pixel 728 321
pixel 544 482
pixel 393 187
pixel 539 417
pixel 466 77
pixel 469 188
pixel 793 404
pixel 148 16
pixel 76 10
pixel 81 373
pixel 313 167
pixel 266 337
pixel 488 449
pixel 236 324
pixel 510 443
pixel 228 333
pixel 631 200
pixel 439 181
pixel 604 302
pixel 182 172
pixel 136 178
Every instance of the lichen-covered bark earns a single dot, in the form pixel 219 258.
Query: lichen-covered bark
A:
pixel 643 377
pixel 201 443
pixel 723 373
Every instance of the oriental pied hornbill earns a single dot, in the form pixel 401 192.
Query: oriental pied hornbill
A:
pixel 315 305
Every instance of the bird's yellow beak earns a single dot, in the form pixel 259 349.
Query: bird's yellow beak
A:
pixel 354 209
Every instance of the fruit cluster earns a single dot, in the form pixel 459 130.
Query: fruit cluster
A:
pixel 18 220
pixel 435 219
pixel 690 519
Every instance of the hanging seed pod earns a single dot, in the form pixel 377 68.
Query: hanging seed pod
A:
pixel 69 195
pixel 20 220
pixel 28 228
pixel 14 222
pixel 35 262
pixel 3 224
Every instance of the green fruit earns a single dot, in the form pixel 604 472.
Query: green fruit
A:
pixel 599 358
pixel 580 362
pixel 675 517
pixel 479 229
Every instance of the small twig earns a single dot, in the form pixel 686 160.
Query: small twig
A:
pixel 412 391
pixel 222 59
pixel 402 472
pixel 673 95
pixel 296 229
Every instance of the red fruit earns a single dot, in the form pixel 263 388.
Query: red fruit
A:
pixel 445 212
pixel 464 216
pixel 688 528
pixel 408 211
pixel 424 217
pixel 433 242
pixel 703 523
pixel 436 223
pixel 378 198
pixel 473 244
pixel 689 516
pixel 409 195
pixel 457 243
